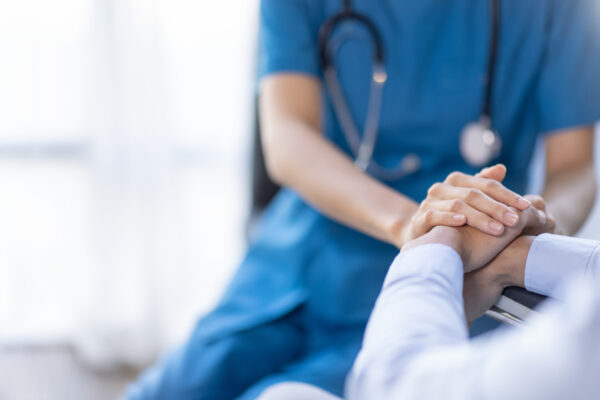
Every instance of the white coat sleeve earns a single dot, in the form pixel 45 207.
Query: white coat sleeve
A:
pixel 416 344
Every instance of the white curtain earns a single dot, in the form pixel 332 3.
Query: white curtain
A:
pixel 123 231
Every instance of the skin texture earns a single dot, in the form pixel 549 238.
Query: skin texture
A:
pixel 491 263
pixel 299 156
pixel 476 248
pixel 480 200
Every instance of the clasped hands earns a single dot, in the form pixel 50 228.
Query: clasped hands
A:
pixel 492 233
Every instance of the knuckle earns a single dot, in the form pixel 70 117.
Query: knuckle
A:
pixel 456 205
pixel 434 189
pixel 423 209
pixel 491 184
pixel 429 216
pixel 500 209
pixel 415 219
pixel 473 194
pixel 531 215
pixel 534 197
pixel 537 201
pixel 453 177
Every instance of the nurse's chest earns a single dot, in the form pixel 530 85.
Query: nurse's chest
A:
pixel 437 54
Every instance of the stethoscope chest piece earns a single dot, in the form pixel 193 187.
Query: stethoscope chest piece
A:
pixel 479 143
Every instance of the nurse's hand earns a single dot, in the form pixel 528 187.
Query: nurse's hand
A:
pixel 550 225
pixel 475 247
pixel 480 201
pixel 483 286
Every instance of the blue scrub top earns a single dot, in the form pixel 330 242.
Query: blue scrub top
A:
pixel 436 53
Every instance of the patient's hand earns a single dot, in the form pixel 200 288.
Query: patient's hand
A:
pixel 479 249
pixel 476 248
pixel 482 287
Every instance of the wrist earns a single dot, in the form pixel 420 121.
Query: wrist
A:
pixel 399 228
pixel 450 237
pixel 453 238
pixel 396 232
pixel 511 262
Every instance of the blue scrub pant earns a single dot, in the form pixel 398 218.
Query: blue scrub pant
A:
pixel 240 366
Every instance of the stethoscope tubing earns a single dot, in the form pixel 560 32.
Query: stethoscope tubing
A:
pixel 363 149
pixel 493 55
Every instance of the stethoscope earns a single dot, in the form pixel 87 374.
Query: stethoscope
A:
pixel 479 143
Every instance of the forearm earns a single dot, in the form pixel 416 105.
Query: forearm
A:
pixel 570 196
pixel 329 180
pixel 300 157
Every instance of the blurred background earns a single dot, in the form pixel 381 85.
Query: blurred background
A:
pixel 125 171
pixel 125 145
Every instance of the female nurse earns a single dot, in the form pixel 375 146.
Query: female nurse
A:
pixel 297 307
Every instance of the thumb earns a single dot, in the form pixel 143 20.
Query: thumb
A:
pixel 496 172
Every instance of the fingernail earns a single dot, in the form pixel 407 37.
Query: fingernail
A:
pixel 496 226
pixel 510 218
pixel 459 218
pixel 543 217
pixel 523 202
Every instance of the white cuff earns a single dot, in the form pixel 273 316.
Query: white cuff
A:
pixel 428 261
pixel 553 259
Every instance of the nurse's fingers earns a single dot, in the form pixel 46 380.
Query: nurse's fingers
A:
pixel 496 172
pixel 474 217
pixel 430 218
pixel 491 187
pixel 476 199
